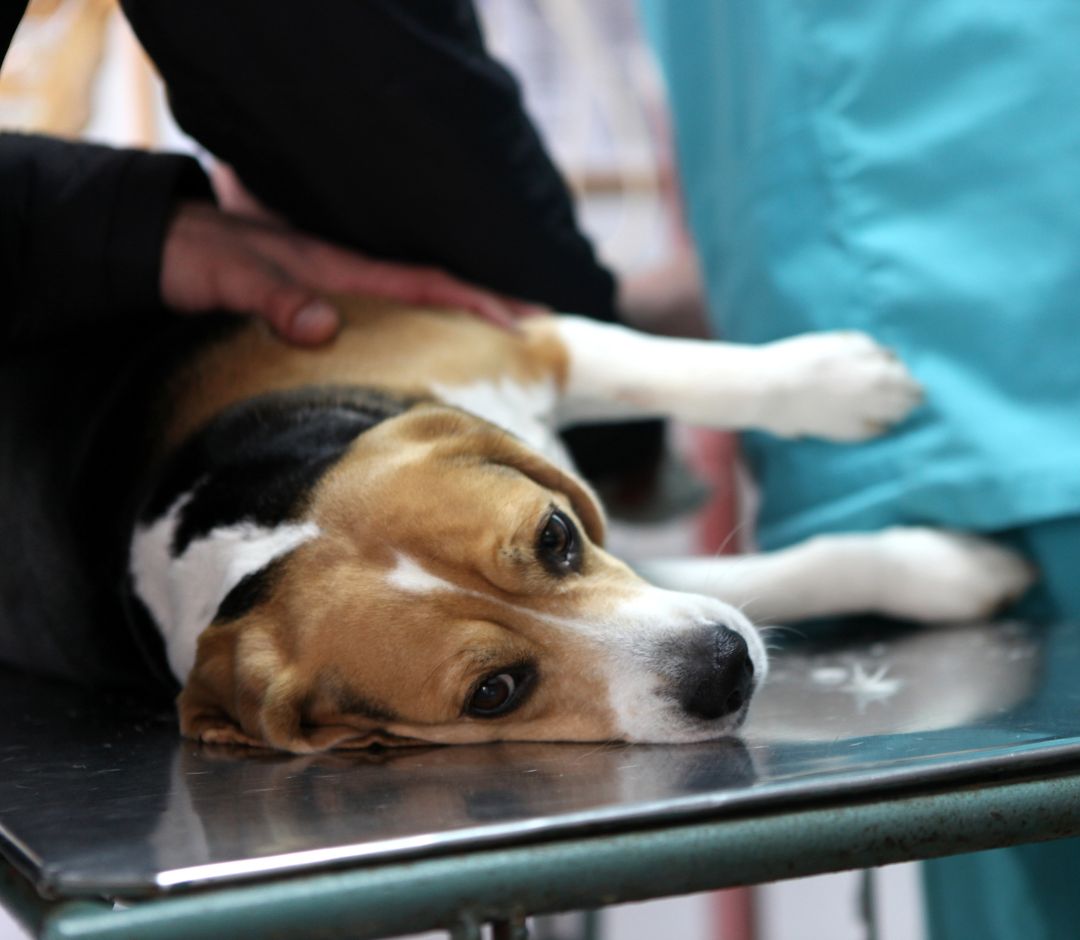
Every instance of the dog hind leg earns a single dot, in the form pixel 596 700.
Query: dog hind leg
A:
pixel 911 573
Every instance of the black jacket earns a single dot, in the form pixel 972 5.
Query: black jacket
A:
pixel 382 125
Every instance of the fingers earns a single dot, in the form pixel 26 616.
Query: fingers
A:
pixel 524 308
pixel 213 261
pixel 315 323
pixel 294 311
pixel 437 289
pixel 330 269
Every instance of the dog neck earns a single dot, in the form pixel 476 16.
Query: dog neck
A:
pixel 228 505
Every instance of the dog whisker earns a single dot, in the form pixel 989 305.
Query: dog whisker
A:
pixel 730 537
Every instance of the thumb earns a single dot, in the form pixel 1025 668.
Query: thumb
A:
pixel 296 313
pixel 313 323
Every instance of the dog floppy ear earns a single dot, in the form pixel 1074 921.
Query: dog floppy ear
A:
pixel 243 690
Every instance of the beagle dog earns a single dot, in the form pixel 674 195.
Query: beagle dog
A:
pixel 384 541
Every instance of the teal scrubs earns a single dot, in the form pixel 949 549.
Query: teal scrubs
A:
pixel 911 169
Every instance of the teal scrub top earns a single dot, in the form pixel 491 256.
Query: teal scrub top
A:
pixel 911 169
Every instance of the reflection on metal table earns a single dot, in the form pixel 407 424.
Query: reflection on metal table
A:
pixel 864 748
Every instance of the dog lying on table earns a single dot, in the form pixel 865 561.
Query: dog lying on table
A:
pixel 383 541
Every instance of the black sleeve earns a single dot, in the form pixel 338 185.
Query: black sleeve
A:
pixel 81 232
pixel 383 125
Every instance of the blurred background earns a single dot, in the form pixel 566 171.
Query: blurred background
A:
pixel 593 89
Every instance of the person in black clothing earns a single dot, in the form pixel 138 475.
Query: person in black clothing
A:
pixel 383 127
pixel 426 141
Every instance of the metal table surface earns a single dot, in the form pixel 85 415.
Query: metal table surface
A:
pixel 868 745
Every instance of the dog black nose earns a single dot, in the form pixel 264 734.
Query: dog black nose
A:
pixel 718 676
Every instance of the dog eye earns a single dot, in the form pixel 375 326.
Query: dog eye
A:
pixel 497 694
pixel 557 545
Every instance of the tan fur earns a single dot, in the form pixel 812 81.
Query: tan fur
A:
pixel 381 344
pixel 285 674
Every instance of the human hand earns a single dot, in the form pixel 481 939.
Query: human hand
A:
pixel 214 260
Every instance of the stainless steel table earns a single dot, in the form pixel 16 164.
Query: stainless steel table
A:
pixel 869 745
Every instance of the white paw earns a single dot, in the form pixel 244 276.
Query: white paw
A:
pixel 934 575
pixel 842 386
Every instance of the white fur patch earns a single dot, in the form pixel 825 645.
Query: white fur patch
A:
pixel 410 577
pixel 184 593
pixel 526 410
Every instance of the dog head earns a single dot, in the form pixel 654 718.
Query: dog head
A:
pixel 441 582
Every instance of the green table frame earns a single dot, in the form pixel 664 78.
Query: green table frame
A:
pixel 459 892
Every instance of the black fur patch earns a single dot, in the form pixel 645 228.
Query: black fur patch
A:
pixel 258 461
pixel 248 592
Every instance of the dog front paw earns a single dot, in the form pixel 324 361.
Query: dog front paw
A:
pixel 933 575
pixel 841 386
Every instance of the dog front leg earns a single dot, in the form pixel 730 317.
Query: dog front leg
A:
pixel 911 573
pixel 840 386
